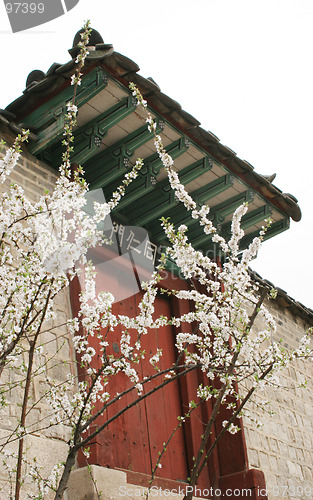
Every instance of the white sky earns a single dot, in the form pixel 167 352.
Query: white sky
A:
pixel 243 68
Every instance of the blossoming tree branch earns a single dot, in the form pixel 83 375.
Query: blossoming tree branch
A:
pixel 44 247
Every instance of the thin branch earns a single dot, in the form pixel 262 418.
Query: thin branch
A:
pixel 25 400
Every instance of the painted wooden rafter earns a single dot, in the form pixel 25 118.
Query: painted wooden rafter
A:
pixel 202 195
pixel 276 228
pixel 163 198
pixel 217 215
pixel 113 162
pixel 250 219
pixel 146 181
pixel 88 138
pixel 48 120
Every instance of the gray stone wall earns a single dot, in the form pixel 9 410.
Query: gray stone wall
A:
pixel 45 442
pixel 283 447
pixel 33 175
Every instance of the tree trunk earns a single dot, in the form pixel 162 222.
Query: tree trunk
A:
pixel 70 461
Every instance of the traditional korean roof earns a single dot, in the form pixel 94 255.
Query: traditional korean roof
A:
pixel 112 134
pixel 284 300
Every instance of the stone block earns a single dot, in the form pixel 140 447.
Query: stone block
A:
pixel 294 470
pixel 10 448
pixel 300 454
pixel 58 370
pixel 55 432
pixel 291 435
pixel 264 461
pixel 292 453
pixel 48 341
pixel 84 483
pixel 254 460
pixel 112 484
pixel 273 463
pixel 290 417
pixel 308 473
pixel 282 466
pixel 283 448
pixel 48 451
pixel 273 446
pixel 271 481
pixel 6 490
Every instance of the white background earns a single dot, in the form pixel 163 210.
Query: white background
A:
pixel 243 68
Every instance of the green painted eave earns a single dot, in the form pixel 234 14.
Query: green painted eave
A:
pixel 149 197
pixel 47 121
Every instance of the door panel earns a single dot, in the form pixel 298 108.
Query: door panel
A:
pixel 134 440
pixel 137 436
pixel 164 406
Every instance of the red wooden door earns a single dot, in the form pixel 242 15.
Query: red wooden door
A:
pixel 164 406
pixel 134 440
